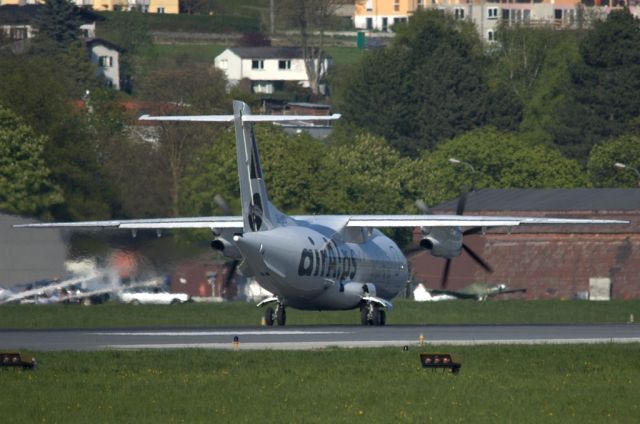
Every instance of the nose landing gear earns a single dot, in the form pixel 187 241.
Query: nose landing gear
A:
pixel 372 314
pixel 277 315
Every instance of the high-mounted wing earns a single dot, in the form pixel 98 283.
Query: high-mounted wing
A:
pixel 244 118
pixel 465 221
pixel 148 224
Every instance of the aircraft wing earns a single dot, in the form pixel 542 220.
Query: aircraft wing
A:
pixel 235 222
pixel 453 293
pixel 465 221
pixel 147 224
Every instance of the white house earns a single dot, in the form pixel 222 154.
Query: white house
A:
pixel 107 56
pixel 268 68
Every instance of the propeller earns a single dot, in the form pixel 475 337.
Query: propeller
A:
pixel 462 202
pixel 222 204
pixel 232 266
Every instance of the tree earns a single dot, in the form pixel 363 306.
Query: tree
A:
pixel 426 87
pixel 308 16
pixel 58 21
pixel 368 176
pixel 605 84
pixel 130 31
pixel 25 181
pixel 188 90
pixel 624 149
pixel 500 160
pixel 48 102
pixel 292 166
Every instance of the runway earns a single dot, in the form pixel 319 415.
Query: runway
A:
pixel 314 337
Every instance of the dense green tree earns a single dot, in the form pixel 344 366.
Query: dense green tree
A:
pixel 550 102
pixel 58 22
pixel 500 160
pixel 426 87
pixel 292 166
pixel 369 177
pixel 47 102
pixel 624 149
pixel 605 84
pixel 25 183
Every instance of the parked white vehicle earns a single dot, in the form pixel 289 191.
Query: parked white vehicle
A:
pixel 157 297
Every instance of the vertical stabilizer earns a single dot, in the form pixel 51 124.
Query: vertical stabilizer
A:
pixel 257 212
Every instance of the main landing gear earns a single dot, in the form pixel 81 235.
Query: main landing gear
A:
pixel 277 315
pixel 372 314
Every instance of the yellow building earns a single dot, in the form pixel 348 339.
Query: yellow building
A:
pixel 110 5
pixel 163 6
pixel 381 14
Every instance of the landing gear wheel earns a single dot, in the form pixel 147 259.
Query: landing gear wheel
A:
pixel 364 314
pixel 375 315
pixel 268 316
pixel 382 317
pixel 281 315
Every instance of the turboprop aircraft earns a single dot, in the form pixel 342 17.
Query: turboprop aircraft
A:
pixel 475 291
pixel 330 262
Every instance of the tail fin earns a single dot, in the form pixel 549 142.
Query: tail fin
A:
pixel 258 213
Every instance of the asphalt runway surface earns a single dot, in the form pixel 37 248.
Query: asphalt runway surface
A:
pixel 313 337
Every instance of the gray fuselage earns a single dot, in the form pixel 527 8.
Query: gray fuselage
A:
pixel 312 266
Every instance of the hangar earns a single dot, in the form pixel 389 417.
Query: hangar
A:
pixel 551 262
pixel 27 256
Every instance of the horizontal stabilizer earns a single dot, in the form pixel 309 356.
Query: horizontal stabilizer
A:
pixel 244 118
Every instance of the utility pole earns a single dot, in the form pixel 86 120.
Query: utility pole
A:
pixel 272 17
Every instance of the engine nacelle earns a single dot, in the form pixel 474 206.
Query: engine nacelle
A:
pixel 443 242
pixel 225 247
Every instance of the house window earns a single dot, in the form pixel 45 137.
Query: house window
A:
pixel 420 4
pixel 161 10
pixel 257 64
pixel 105 61
pixel 369 5
pixel 224 64
pixel 396 5
pixel 459 13
pixel 284 64
pixel 491 35
pixel 492 13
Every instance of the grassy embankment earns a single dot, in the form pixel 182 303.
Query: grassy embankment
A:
pixel 246 314
pixel 519 384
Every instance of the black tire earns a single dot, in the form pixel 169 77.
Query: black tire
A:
pixel 134 302
pixel 281 316
pixel 268 316
pixel 363 315
pixel 382 317
pixel 175 301
pixel 376 315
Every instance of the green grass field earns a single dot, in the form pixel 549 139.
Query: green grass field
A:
pixel 246 314
pixel 518 384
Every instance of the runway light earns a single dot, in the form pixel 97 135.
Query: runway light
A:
pixel 17 360
pixel 236 343
pixel 440 360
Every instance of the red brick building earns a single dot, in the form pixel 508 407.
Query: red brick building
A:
pixel 550 261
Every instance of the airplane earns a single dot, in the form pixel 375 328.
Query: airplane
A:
pixel 475 291
pixel 323 262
